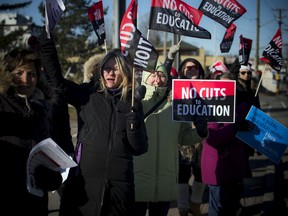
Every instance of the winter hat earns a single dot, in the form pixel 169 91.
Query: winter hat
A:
pixel 245 68
pixel 159 67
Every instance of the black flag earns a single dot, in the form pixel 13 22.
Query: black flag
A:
pixel 272 54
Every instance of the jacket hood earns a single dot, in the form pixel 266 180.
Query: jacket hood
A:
pixel 91 68
pixel 196 62
pixel 5 79
pixel 159 67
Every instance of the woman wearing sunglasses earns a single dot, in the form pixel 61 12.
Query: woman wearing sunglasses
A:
pixel 245 90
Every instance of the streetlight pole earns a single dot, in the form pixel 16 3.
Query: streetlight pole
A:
pixel 257 37
pixel 119 11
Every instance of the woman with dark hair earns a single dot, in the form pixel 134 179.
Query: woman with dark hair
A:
pixel 189 164
pixel 191 68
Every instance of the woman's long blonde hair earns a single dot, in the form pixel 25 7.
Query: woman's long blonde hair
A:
pixel 124 69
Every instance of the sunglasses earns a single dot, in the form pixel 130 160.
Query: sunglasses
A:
pixel 246 72
pixel 194 67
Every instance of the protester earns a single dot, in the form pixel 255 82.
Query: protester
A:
pixel 245 87
pixel 59 118
pixel 25 98
pixel 190 199
pixel 110 133
pixel 225 159
pixel 156 172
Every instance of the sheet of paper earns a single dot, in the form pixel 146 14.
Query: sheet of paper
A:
pixel 49 154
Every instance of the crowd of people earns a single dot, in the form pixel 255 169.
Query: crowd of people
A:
pixel 132 157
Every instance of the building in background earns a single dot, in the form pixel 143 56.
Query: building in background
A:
pixel 14 22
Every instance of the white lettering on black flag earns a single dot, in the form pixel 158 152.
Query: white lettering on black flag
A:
pixel 139 51
pixel 223 12
pixel 177 17
pixel 96 16
pixel 272 54
pixel 213 99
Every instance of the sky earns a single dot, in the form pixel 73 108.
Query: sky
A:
pixel 246 24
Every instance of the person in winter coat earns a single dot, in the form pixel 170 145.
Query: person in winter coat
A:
pixel 25 98
pixel 244 90
pixel 190 198
pixel 59 119
pixel 225 158
pixel 110 133
pixel 156 172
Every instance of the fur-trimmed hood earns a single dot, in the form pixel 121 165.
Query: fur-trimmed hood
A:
pixel 91 68
pixel 5 78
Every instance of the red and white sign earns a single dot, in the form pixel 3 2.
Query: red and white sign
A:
pixel 213 99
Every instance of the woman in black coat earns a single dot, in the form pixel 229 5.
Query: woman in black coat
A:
pixel 110 133
pixel 25 97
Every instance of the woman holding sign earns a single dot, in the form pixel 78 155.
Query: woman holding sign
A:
pixel 190 198
pixel 225 159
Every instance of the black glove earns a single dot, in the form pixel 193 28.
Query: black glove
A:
pixel 201 126
pixel 243 125
pixel 47 179
pixel 140 92
pixel 132 120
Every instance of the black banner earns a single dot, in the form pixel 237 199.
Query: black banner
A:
pixel 223 12
pixel 228 38
pixel 272 54
pixel 244 50
pixel 177 19
pixel 139 51
pixel 96 16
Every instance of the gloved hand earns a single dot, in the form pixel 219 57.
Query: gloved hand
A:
pixel 47 179
pixel 201 126
pixel 140 92
pixel 132 120
pixel 243 125
pixel 33 44
pixel 173 51
pixel 242 110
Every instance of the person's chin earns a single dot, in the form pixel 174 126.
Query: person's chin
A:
pixel 111 86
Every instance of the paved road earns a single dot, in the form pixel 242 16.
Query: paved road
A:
pixel 266 193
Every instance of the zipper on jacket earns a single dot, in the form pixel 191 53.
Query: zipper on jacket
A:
pixel 108 158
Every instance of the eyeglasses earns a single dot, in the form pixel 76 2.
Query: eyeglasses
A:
pixel 109 69
pixel 191 67
pixel 246 72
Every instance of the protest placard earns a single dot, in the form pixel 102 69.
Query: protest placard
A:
pixel 267 136
pixel 213 99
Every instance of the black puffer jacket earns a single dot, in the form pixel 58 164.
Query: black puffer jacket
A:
pixel 107 143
